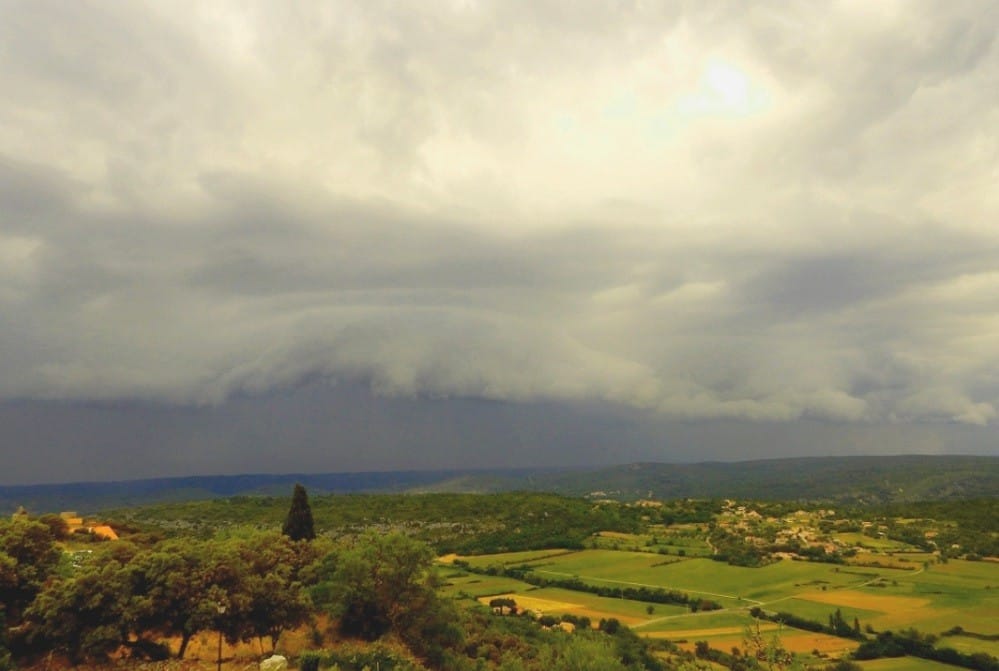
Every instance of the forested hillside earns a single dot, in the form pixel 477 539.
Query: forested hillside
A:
pixel 836 479
pixel 840 479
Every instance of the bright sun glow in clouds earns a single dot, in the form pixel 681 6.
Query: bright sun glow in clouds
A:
pixel 725 90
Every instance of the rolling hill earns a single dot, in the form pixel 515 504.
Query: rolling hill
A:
pixel 881 479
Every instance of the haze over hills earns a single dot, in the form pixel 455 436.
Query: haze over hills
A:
pixel 856 479
pixel 92 496
pixel 841 479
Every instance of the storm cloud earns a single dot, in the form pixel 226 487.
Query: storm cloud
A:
pixel 776 213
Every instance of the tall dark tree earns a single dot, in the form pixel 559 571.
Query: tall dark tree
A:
pixel 298 524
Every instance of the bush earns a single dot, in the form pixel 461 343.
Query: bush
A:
pixel 309 661
pixel 355 658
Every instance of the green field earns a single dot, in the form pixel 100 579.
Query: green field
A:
pixel 514 558
pixel 820 612
pixel 660 541
pixel 483 585
pixel 957 593
pixel 702 620
pixel 634 567
pixel 880 544
pixel 951 585
pixel 595 606
pixel 888 586
pixel 961 593
pixel 699 576
pixel 968 644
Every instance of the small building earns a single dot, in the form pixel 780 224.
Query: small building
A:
pixel 72 520
pixel 104 532
pixel 75 524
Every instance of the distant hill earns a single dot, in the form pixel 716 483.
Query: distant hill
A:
pixel 88 497
pixel 836 479
pixel 880 479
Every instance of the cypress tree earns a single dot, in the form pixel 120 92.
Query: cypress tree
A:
pixel 298 524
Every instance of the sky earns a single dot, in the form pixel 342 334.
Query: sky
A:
pixel 266 236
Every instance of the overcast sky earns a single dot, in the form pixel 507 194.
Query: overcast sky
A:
pixel 368 235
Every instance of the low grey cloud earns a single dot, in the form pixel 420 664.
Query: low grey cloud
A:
pixel 774 213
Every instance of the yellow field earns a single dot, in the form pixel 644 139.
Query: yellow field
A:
pixel 878 602
pixel 808 641
pixel 704 633
pixel 896 611
pixel 798 642
pixel 545 606
pixel 553 607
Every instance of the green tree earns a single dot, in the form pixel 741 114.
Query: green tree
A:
pixel 379 582
pixel 83 616
pixel 5 663
pixel 169 585
pixel 768 652
pixel 31 557
pixel 298 525
pixel 385 583
pixel 499 603
pixel 274 567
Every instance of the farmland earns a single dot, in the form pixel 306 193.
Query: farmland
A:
pixel 869 582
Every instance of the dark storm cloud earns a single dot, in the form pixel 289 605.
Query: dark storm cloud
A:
pixel 316 428
pixel 773 213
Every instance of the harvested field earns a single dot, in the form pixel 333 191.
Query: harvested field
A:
pixel 893 611
pixel 802 643
pixel 545 606
pixel 807 642
pixel 877 602
pixel 554 606
pixel 708 632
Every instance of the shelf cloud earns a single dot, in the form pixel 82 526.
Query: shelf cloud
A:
pixel 774 213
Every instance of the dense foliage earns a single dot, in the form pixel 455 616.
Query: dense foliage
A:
pixel 125 596
pixel 246 585
pixel 972 525
pixel 466 523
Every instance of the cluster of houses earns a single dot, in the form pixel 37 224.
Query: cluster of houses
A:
pixel 793 529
